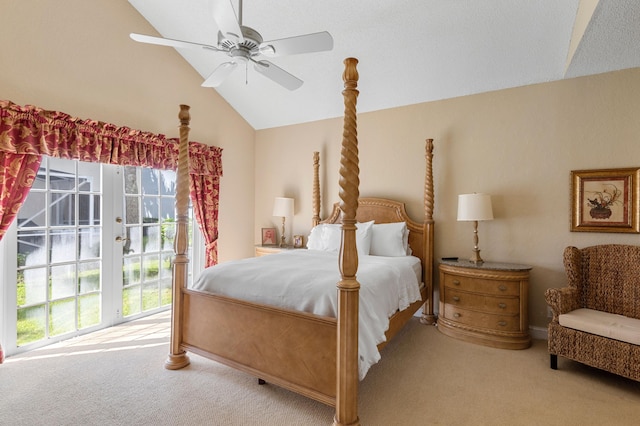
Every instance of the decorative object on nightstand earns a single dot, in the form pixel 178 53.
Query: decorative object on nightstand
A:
pixel 485 303
pixel 269 237
pixel 283 207
pixel 475 207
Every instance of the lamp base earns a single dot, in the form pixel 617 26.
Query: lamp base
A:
pixel 475 258
pixel 283 239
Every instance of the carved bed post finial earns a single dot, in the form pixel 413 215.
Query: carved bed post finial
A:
pixel 177 357
pixel 428 316
pixel 348 287
pixel 316 189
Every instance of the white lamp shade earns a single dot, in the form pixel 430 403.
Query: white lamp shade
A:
pixel 474 207
pixel 283 207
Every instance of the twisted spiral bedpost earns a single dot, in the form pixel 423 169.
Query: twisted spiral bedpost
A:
pixel 428 185
pixel 348 287
pixel 177 357
pixel 316 189
pixel 428 316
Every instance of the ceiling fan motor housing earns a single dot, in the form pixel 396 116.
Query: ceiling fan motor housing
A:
pixel 252 40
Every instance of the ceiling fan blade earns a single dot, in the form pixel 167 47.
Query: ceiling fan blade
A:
pixel 220 74
pixel 226 19
pixel 316 42
pixel 171 43
pixel 278 75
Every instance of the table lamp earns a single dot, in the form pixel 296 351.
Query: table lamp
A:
pixel 283 207
pixel 474 208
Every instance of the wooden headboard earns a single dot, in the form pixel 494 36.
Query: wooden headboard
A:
pixel 383 210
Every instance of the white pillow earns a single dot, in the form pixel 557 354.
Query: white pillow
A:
pixel 363 237
pixel 405 242
pixel 314 241
pixel 389 239
pixel 327 237
pixel 331 236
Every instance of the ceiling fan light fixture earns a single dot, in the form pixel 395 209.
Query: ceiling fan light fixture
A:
pixel 240 57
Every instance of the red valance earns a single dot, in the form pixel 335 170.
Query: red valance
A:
pixel 33 130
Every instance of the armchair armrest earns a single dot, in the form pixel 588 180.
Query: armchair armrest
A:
pixel 561 300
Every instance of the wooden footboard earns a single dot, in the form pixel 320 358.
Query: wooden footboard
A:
pixel 292 349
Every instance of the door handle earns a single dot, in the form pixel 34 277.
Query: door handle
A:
pixel 119 239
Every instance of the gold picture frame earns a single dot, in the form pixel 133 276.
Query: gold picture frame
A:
pixel 297 241
pixel 605 200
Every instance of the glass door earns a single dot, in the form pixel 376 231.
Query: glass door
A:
pixel 92 246
pixel 59 252
pixel 147 227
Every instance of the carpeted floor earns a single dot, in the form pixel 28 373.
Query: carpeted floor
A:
pixel 116 377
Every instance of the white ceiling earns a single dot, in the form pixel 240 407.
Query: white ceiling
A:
pixel 409 51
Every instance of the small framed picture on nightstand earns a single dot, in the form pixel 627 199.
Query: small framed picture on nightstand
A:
pixel 297 241
pixel 269 237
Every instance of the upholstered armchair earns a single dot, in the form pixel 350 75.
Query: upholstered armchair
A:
pixel 596 318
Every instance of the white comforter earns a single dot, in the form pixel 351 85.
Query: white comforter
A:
pixel 305 280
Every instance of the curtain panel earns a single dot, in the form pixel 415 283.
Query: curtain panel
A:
pixel 28 132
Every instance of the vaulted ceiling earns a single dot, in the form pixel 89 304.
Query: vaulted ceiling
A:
pixel 409 51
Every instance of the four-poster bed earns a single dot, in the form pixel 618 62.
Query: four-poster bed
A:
pixel 314 355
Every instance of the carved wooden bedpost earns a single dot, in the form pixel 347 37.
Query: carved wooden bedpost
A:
pixel 316 189
pixel 177 357
pixel 348 287
pixel 428 317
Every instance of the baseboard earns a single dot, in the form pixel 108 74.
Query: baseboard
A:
pixel 539 333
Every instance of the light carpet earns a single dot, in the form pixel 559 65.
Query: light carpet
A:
pixel 424 378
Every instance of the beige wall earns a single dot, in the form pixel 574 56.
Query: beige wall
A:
pixel 76 57
pixel 518 145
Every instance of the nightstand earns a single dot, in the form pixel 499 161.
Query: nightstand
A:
pixel 264 250
pixel 485 303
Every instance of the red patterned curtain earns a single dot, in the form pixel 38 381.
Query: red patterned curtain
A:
pixel 16 177
pixel 28 132
pixel 204 191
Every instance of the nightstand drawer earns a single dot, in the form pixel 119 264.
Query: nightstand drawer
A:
pixel 264 250
pixel 480 302
pixel 481 319
pixel 485 286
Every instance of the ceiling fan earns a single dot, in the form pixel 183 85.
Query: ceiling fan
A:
pixel 243 44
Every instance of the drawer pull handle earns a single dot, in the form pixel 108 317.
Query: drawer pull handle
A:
pixel 457 315
pixel 456 282
pixel 502 305
pixel 502 287
pixel 502 323
pixel 456 299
